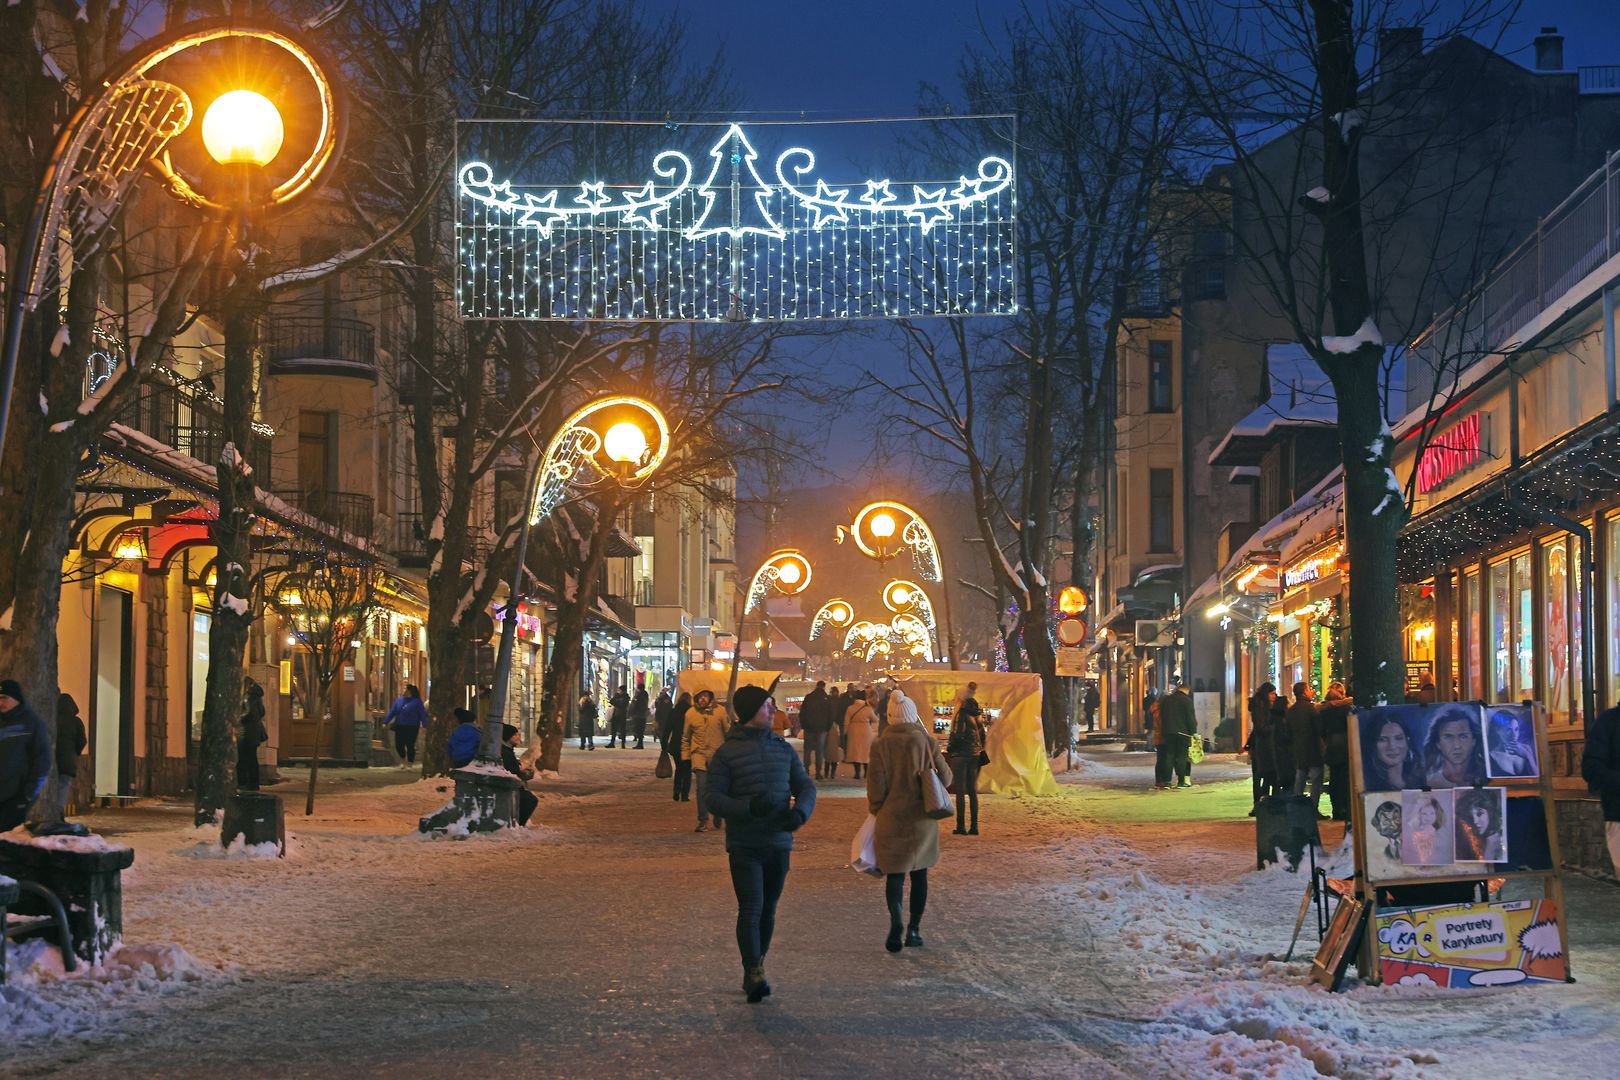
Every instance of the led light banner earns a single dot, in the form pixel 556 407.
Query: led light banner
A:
pixel 727 222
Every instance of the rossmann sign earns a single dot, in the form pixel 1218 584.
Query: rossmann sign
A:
pixel 1457 451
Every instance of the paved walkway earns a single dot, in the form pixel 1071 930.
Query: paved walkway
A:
pixel 599 943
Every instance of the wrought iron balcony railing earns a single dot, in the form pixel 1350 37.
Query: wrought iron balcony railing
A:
pixel 314 345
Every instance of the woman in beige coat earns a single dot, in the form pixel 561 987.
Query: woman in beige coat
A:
pixel 860 728
pixel 906 839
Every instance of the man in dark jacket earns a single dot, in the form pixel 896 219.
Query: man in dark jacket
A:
pixel 1305 735
pixel 250 736
pixel 1180 723
pixel 527 800
pixel 1091 701
pixel 70 743
pixel 663 709
pixel 815 717
pixel 1333 720
pixel 759 785
pixel 1600 767
pixel 25 756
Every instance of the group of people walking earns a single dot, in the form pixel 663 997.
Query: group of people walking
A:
pixel 627 713
pixel 838 727
pixel 1302 747
pixel 1174 723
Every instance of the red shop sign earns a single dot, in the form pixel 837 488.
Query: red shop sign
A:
pixel 1450 454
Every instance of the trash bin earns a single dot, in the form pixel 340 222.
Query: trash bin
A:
pixel 1285 823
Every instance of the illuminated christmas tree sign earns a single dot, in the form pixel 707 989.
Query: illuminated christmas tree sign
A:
pixel 744 228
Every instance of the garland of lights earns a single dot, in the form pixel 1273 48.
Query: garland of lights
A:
pixel 738 244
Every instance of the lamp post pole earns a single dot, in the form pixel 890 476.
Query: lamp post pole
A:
pixel 490 748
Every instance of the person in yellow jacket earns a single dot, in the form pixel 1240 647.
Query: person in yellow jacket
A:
pixel 705 730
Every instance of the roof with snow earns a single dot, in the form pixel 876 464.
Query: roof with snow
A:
pixel 1299 396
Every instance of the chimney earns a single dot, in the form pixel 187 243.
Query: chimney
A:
pixel 1549 49
pixel 1398 47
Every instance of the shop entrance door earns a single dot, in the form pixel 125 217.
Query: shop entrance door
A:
pixel 113 738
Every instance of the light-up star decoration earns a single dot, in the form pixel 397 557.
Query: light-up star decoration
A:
pixel 735 231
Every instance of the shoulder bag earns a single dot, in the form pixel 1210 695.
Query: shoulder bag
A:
pixel 935 799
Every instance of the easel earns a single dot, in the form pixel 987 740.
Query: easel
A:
pixel 1552 880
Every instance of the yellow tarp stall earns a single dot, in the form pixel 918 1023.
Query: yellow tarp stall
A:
pixel 694 679
pixel 1012 701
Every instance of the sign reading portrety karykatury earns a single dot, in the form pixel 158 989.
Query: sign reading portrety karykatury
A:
pixel 735 222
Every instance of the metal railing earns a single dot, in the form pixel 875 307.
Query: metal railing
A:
pixel 298 339
pixel 350 511
pixel 188 421
pixel 409 538
pixel 1599 79
pixel 1570 242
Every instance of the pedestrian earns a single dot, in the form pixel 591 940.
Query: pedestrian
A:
pixel 25 756
pixel 682 791
pixel 860 728
pixel 406 716
pixel 639 708
pixel 1282 746
pixel 832 746
pixel 878 698
pixel 663 708
pixel 1600 768
pixel 814 719
pixel 527 800
pixel 1179 721
pixel 1092 701
pixel 1333 720
pixel 619 718
pixel 1260 747
pixel 249 737
pixel 70 743
pixel 1305 735
pixel 705 731
pixel 464 739
pixel 588 714
pixel 966 748
pixel 906 839
pixel 758 784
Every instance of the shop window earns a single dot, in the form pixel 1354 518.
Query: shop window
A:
pixel 1474 688
pixel 1555 687
pixel 1612 530
pixel 1501 635
pixel 1293 663
pixel 1524 615
pixel 1161 510
pixel 1577 630
pixel 1456 655
pixel 1159 366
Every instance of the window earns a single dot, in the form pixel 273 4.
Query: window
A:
pixel 317 461
pixel 1472 689
pixel 510 496
pixel 1555 579
pixel 1209 243
pixel 1612 528
pixel 1159 376
pixel 1524 616
pixel 1501 633
pixel 1207 282
pixel 1161 509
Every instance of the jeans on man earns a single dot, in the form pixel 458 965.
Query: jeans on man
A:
pixel 814 741
pixel 1313 777
pixel 757 878
pixel 64 792
pixel 701 776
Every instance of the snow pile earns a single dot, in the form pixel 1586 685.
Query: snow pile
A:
pixel 41 1000
pixel 237 851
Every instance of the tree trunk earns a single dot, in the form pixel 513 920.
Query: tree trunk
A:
pixel 557 687
pixel 447 649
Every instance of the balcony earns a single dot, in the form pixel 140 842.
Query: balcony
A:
pixel 312 345
pixel 410 544
pixel 190 421
pixel 349 511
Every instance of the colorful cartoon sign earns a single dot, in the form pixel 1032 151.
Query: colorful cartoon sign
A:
pixel 1470 945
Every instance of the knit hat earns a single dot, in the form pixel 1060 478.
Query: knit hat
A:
pixel 11 688
pixel 507 731
pixel 748 700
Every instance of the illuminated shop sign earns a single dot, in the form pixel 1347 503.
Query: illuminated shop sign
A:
pixel 1317 566
pixel 1457 451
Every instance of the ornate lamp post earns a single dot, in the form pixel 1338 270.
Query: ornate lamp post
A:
pixel 785 571
pixel 907 598
pixel 125 125
pixel 884 529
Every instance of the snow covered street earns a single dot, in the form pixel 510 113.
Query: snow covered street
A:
pixel 1104 932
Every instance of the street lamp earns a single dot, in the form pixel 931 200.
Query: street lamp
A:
pixel 785 571
pixel 837 613
pixel 874 531
pixel 908 598
pixel 243 127
pixel 620 439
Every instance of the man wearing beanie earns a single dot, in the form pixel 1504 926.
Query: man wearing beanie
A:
pixel 25 756
pixel 759 785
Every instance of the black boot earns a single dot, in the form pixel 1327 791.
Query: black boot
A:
pixel 754 984
pixel 913 937
pixel 895 930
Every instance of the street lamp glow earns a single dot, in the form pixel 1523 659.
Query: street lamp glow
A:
pixel 243 127
pixel 840 613
pixel 883 526
pixel 789 573
pixel 899 594
pixel 625 443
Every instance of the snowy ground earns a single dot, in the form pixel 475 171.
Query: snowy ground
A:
pixel 1104 932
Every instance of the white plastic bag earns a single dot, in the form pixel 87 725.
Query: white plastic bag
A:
pixel 863 850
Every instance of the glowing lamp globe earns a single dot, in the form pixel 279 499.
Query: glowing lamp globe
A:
pixel 839 612
pixel 625 443
pixel 883 526
pixel 900 595
pixel 789 573
pixel 1072 600
pixel 242 128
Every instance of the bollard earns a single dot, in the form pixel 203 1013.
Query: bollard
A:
pixel 84 872
pixel 257 818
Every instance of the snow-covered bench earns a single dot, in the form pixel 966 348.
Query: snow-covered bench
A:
pixel 83 874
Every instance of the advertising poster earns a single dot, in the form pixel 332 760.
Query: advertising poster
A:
pixel 1423 746
pixel 1385 826
pixel 1510 742
pixel 1471 945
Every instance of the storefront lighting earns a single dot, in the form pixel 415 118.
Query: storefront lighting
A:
pixel 1318 565
pixel 1217 610
pixel 131 547
pixel 1248 576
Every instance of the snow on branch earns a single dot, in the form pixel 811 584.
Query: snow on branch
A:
pixel 1366 334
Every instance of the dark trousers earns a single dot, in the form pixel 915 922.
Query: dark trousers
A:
pixel 1172 764
pixel 405 741
pixel 894 887
pixel 527 801
pixel 1338 789
pixel 965 773
pixel 616 728
pixel 247 769
pixel 757 878
pixel 13 812
pixel 639 726
pixel 814 741
pixel 683 780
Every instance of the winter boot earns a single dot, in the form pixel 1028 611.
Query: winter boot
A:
pixel 913 937
pixel 754 984
pixel 893 941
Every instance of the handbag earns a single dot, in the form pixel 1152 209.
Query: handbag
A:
pixel 665 767
pixel 1195 749
pixel 863 849
pixel 984 758
pixel 936 800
